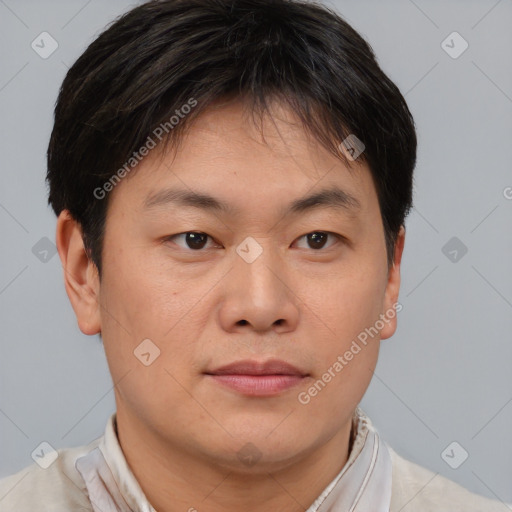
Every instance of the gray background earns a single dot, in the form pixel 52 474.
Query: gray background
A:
pixel 446 374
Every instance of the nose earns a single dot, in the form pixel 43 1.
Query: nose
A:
pixel 259 296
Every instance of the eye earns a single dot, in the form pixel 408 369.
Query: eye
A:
pixel 317 239
pixel 194 240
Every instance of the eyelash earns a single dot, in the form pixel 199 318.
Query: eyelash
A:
pixel 188 249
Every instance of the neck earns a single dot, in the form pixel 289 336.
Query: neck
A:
pixel 173 479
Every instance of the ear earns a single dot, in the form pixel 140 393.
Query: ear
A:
pixel 81 277
pixel 391 308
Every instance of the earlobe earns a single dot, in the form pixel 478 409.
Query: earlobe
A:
pixel 80 274
pixel 392 289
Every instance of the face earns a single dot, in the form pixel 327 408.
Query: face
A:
pixel 254 277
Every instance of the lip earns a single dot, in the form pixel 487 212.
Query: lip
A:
pixel 250 367
pixel 255 378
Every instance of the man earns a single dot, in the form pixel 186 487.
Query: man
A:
pixel 231 180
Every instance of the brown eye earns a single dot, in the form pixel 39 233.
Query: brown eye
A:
pixel 317 239
pixel 193 240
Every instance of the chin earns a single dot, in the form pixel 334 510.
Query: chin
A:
pixel 261 450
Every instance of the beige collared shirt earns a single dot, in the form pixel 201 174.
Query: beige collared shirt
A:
pixel 97 478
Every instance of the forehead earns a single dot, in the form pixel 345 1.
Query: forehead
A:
pixel 228 162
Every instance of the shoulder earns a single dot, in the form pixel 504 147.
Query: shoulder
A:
pixel 417 489
pixel 58 488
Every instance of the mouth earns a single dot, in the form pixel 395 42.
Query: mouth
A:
pixel 253 378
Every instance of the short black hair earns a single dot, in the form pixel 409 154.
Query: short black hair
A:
pixel 150 62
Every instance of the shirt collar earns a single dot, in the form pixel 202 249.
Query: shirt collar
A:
pixel 364 482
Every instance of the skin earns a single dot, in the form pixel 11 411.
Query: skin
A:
pixel 179 430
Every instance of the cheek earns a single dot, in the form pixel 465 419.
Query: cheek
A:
pixel 135 310
pixel 141 300
pixel 350 308
pixel 141 296
pixel 336 392
pixel 353 305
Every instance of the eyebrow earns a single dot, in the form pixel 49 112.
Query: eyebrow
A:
pixel 334 197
